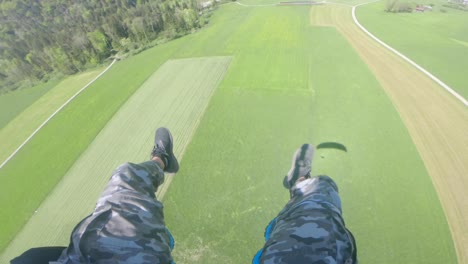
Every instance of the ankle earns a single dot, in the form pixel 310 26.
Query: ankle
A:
pixel 159 161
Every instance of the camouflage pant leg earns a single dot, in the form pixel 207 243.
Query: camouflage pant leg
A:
pixel 310 229
pixel 127 225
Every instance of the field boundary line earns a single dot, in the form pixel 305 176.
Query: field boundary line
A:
pixel 170 176
pixel 255 5
pixel 336 3
pixel 55 113
pixel 427 73
pixel 277 4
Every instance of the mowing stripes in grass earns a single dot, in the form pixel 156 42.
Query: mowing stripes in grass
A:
pixel 175 96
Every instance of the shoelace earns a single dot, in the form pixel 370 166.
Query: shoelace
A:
pixel 160 151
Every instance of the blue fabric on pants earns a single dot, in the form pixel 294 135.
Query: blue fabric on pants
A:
pixel 310 228
pixel 127 225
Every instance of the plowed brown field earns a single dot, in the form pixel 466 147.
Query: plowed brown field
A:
pixel 436 121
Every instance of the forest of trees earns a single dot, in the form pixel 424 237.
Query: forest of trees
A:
pixel 43 38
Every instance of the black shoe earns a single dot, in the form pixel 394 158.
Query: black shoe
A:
pixel 301 165
pixel 163 150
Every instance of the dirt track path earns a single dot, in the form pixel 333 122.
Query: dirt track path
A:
pixel 436 121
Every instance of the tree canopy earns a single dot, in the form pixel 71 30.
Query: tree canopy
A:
pixel 42 37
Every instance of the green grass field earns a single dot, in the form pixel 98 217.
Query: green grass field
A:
pixel 31 117
pixel 435 40
pixel 13 103
pixel 287 83
pixel 338 100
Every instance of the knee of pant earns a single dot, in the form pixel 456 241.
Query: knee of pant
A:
pixel 328 180
pixel 123 166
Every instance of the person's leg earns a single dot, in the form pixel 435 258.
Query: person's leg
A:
pixel 310 229
pixel 127 225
